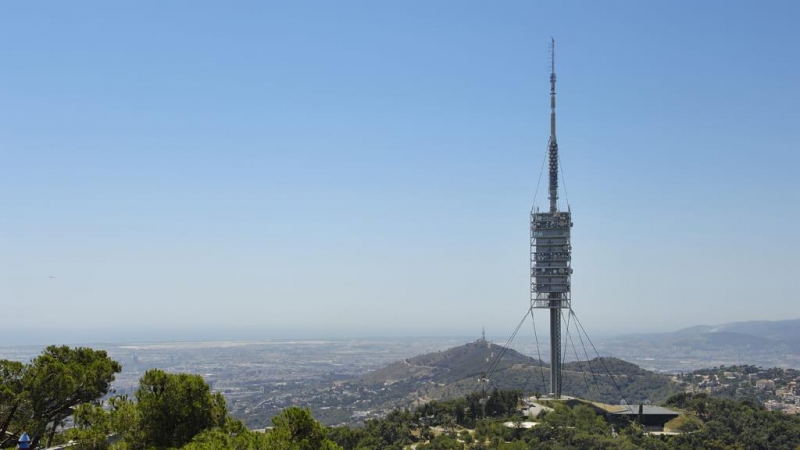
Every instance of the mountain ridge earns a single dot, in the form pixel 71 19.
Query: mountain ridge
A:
pixel 768 329
pixel 455 372
pixel 758 342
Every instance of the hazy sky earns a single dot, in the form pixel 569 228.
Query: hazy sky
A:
pixel 367 168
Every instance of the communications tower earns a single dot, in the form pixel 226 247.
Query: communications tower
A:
pixel 551 252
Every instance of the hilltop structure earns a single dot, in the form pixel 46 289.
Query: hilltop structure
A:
pixel 551 252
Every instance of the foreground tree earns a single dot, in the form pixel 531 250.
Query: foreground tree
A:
pixel 233 435
pixel 92 428
pixel 62 378
pixel 295 429
pixel 725 423
pixel 45 392
pixel 11 395
pixel 173 408
pixel 93 425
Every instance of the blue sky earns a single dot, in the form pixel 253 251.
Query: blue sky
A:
pixel 363 168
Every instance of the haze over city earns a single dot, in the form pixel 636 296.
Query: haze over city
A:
pixel 336 169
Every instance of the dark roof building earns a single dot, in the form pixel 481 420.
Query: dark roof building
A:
pixel 652 417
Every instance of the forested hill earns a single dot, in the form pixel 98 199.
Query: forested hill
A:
pixel 455 372
pixel 457 363
pixel 591 380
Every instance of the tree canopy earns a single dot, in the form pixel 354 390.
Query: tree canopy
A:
pixel 295 429
pixel 44 392
pixel 173 408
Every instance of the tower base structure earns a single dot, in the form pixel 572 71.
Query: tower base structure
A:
pixel 551 271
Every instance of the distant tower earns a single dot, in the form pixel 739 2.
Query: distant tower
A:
pixel 551 252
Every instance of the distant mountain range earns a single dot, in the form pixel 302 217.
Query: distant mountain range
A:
pixel 761 343
pixel 787 331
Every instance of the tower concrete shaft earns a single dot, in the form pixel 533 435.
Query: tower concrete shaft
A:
pixel 555 350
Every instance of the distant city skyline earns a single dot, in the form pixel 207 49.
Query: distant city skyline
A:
pixel 343 169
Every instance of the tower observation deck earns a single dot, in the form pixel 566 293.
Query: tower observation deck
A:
pixel 551 251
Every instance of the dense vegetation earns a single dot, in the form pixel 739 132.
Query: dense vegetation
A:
pixel 180 411
pixel 725 423
pixel 38 396
pixel 707 423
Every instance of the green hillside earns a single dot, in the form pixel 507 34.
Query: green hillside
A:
pixel 451 365
pixel 455 373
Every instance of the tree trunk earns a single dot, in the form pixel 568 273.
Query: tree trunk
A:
pixel 52 433
pixel 7 422
pixel 38 431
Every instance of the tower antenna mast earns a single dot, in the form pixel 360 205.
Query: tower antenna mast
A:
pixel 551 251
pixel 553 143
